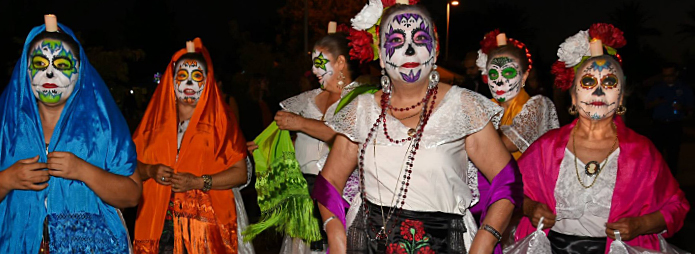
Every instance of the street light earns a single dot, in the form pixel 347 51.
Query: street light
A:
pixel 448 11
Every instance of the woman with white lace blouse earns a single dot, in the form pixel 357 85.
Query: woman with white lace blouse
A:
pixel 595 180
pixel 307 113
pixel 411 142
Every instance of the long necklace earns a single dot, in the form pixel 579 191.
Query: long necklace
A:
pixel 592 167
pixel 407 117
pixel 383 233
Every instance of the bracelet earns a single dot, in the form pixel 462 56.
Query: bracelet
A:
pixel 492 231
pixel 326 222
pixel 207 183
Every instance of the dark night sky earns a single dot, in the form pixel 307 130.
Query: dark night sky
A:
pixel 160 27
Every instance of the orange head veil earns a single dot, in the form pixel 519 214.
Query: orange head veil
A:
pixel 211 143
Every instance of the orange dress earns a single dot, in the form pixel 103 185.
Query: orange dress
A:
pixel 204 222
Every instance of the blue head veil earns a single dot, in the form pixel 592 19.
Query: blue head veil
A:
pixel 91 127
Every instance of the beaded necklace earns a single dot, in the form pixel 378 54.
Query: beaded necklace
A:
pixel 414 135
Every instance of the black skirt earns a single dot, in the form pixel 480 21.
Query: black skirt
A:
pixel 411 232
pixel 572 244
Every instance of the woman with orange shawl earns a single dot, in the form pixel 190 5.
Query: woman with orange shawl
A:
pixel 190 154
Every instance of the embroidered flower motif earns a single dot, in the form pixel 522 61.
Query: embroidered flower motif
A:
pixel 412 230
pixel 369 15
pixel 425 250
pixel 574 48
pixel 396 248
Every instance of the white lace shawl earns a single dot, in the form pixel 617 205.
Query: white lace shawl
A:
pixel 537 117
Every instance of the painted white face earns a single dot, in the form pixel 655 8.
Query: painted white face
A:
pixel 189 80
pixel 322 68
pixel 408 47
pixel 53 71
pixel 597 89
pixel 504 78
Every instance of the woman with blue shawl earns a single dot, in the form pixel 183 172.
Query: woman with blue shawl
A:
pixel 66 154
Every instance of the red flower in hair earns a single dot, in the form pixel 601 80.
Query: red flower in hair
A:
pixel 361 43
pixel 608 34
pixel 489 42
pixel 563 76
pixel 343 28
pixel 388 3
pixel 413 2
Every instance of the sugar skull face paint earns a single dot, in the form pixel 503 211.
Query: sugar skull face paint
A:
pixel 190 76
pixel 598 89
pixel 53 71
pixel 408 47
pixel 504 78
pixel 322 67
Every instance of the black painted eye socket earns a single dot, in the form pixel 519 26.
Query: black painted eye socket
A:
pixel 610 81
pixel 588 81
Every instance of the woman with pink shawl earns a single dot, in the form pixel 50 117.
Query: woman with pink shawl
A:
pixel 595 178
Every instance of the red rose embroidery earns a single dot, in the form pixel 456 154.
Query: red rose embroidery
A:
pixel 395 248
pixel 412 230
pixel 425 250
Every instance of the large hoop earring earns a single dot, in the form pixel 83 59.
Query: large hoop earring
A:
pixel 434 78
pixel 621 110
pixel 385 82
pixel 572 110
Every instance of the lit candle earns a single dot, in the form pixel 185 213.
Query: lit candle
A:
pixel 190 47
pixel 51 22
pixel 331 27
pixel 501 39
pixel 406 2
pixel 596 47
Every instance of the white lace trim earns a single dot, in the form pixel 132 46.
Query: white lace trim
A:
pixel 460 113
pixel 573 200
pixel 537 117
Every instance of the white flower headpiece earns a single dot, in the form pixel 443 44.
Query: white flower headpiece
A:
pixel 369 15
pixel 574 49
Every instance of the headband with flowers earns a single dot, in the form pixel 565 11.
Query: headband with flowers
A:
pixel 577 48
pixel 493 40
pixel 364 34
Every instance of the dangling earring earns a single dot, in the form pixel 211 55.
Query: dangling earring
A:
pixel 385 82
pixel 621 110
pixel 572 110
pixel 341 83
pixel 434 78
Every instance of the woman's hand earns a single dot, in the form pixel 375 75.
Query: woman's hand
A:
pixel 25 174
pixel 66 165
pixel 629 228
pixel 182 182
pixel 289 121
pixel 160 173
pixel 251 146
pixel 535 210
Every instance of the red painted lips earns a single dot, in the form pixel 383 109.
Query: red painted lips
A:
pixel 598 103
pixel 49 85
pixel 410 65
pixel 500 92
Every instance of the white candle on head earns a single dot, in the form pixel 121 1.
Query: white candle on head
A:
pixel 501 39
pixel 332 27
pixel 190 47
pixel 596 47
pixel 406 2
pixel 51 22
